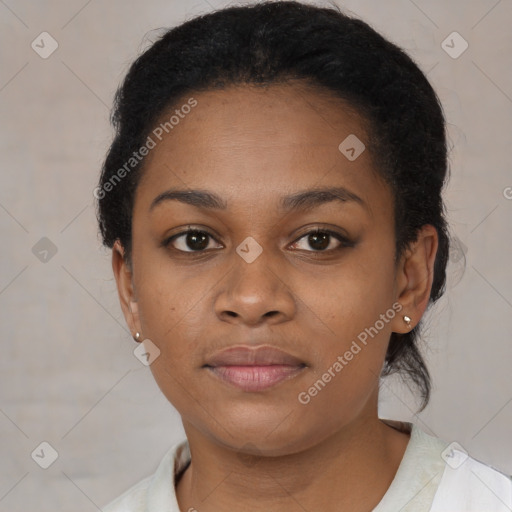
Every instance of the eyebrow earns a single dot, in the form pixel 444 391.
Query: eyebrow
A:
pixel 299 200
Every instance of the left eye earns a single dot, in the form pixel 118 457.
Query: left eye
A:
pixel 322 241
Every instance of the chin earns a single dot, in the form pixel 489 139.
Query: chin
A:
pixel 269 434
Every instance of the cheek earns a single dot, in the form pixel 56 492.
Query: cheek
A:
pixel 168 300
pixel 173 314
pixel 350 311
pixel 348 362
pixel 342 301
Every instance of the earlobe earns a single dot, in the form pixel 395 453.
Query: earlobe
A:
pixel 134 309
pixel 414 279
pixel 125 290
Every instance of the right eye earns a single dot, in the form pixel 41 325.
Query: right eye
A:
pixel 190 240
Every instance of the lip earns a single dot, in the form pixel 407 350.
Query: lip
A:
pixel 254 368
pixel 243 355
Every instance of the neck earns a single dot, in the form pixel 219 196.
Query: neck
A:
pixel 350 470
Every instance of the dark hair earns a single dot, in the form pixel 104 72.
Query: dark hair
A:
pixel 275 42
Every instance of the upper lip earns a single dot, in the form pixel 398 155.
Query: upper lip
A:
pixel 244 355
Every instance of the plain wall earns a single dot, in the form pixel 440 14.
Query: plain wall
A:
pixel 68 373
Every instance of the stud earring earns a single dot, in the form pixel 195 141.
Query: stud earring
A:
pixel 407 320
pixel 137 336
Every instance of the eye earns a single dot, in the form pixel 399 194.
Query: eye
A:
pixel 199 240
pixel 191 240
pixel 322 240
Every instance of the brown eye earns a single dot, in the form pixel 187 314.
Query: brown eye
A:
pixel 319 241
pixel 322 241
pixel 192 240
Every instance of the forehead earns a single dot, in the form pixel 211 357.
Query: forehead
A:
pixel 247 142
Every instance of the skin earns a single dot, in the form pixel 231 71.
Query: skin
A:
pixel 265 450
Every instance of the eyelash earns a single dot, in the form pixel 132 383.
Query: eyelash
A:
pixel 344 242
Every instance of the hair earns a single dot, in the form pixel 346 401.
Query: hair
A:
pixel 276 42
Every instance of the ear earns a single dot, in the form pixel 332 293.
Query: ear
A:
pixel 414 277
pixel 125 289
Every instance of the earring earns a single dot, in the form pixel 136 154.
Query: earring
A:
pixel 407 320
pixel 137 336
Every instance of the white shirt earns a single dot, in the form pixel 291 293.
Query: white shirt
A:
pixel 433 476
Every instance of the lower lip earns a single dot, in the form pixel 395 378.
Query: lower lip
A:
pixel 255 378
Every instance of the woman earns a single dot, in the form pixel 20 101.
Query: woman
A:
pixel 273 201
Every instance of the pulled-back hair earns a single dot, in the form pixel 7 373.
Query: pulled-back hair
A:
pixel 275 42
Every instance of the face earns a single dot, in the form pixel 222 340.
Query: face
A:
pixel 268 264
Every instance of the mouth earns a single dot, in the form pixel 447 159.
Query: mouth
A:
pixel 254 369
pixel 255 378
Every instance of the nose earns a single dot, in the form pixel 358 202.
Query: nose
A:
pixel 255 293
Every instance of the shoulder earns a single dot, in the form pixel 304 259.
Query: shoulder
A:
pixel 471 485
pixel 132 500
pixel 155 492
pixel 440 476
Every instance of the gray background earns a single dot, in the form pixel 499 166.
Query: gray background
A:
pixel 69 376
